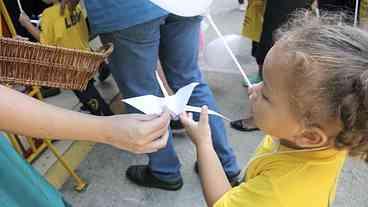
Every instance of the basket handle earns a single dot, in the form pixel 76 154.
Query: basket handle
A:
pixel 106 50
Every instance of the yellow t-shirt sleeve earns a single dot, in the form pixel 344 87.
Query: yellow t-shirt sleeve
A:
pixel 47 31
pixel 258 191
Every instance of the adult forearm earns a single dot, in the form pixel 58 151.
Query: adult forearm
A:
pixel 35 32
pixel 213 177
pixel 25 115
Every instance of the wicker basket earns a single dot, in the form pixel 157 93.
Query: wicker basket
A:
pixel 28 63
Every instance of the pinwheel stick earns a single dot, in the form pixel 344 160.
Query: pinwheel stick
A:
pixel 228 49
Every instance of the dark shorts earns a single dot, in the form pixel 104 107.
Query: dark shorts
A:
pixel 277 12
pixel 255 48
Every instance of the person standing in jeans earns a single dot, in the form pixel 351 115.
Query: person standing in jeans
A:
pixel 142 33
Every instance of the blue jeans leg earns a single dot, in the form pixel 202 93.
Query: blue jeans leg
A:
pixel 133 63
pixel 179 58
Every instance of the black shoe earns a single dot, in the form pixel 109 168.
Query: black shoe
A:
pixel 142 175
pixel 239 125
pixel 176 127
pixel 233 180
pixel 49 92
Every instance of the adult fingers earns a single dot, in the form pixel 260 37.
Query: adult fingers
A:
pixel 158 143
pixel 155 134
pixel 153 146
pixel 156 124
pixel 143 117
pixel 151 130
pixel 203 119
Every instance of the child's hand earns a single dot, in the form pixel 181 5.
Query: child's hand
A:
pixel 255 88
pixel 24 19
pixel 199 132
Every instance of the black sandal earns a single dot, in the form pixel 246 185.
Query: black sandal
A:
pixel 238 125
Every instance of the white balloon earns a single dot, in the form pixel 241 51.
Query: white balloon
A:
pixel 217 56
pixel 185 8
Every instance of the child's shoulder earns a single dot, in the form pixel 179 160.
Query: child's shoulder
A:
pixel 52 10
pixel 272 158
pixel 55 11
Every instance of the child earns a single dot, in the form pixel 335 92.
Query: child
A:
pixel 313 105
pixel 68 30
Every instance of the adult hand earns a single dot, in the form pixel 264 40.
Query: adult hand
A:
pixel 24 19
pixel 138 133
pixel 199 132
pixel 71 4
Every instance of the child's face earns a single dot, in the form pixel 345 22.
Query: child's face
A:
pixel 273 110
pixel 270 106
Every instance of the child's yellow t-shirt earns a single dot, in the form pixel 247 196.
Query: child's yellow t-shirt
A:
pixel 280 177
pixel 69 30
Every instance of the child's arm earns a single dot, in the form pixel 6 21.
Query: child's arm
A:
pixel 214 181
pixel 26 23
pixel 22 114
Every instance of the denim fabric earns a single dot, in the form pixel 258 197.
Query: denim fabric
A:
pixel 174 40
pixel 113 15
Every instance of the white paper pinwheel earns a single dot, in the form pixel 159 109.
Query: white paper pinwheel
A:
pixel 176 104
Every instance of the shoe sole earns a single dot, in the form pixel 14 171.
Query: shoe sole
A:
pixel 174 188
pixel 162 187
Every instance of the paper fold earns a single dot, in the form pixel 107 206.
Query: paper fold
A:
pixel 176 104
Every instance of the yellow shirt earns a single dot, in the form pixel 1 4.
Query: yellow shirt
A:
pixel 69 30
pixel 281 177
pixel 253 20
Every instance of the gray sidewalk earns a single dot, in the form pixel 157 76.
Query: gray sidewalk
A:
pixel 105 166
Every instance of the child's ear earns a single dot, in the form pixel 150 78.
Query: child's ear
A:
pixel 300 59
pixel 311 138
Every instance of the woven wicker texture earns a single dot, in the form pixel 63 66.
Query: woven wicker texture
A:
pixel 28 63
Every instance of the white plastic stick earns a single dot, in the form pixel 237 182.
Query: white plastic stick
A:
pixel 163 89
pixel 317 12
pixel 228 49
pixel 356 13
pixel 198 110
pixel 20 6
pixel 317 9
